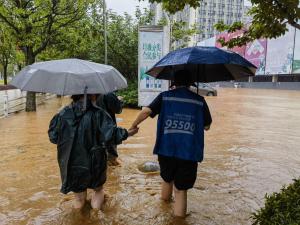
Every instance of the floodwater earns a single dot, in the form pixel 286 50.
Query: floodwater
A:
pixel 251 149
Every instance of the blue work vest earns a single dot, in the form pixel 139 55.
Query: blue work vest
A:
pixel 180 126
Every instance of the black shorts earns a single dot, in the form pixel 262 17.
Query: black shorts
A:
pixel 182 172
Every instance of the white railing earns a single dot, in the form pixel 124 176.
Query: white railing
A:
pixel 16 103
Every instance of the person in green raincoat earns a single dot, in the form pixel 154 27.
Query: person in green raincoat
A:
pixel 82 131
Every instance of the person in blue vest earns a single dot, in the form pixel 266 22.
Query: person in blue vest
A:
pixel 182 118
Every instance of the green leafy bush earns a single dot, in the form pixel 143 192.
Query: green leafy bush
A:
pixel 281 208
pixel 130 95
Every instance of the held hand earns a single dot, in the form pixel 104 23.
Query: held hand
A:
pixel 133 127
pixel 132 131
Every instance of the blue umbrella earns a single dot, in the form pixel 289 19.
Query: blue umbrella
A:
pixel 206 64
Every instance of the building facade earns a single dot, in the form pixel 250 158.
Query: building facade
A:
pixel 207 15
pixel 211 12
pixel 187 15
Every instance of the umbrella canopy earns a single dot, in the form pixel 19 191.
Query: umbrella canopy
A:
pixel 206 64
pixel 69 77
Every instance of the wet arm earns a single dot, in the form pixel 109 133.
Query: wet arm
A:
pixel 110 132
pixel 144 114
pixel 120 134
pixel 152 110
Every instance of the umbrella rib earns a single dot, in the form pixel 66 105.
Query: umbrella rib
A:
pixel 28 82
pixel 102 83
pixel 65 84
pixel 97 75
pixel 192 49
pixel 25 83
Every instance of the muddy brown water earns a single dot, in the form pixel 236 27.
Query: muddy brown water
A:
pixel 251 149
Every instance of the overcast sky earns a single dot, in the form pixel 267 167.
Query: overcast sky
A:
pixel 121 6
pixel 247 2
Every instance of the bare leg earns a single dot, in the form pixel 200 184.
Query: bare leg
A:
pixel 80 199
pixel 166 191
pixel 97 198
pixel 180 205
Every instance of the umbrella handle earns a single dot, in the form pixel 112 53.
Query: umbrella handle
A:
pixel 85 98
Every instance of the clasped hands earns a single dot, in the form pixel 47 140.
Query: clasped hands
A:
pixel 133 130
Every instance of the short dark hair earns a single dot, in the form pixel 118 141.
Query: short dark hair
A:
pixel 182 78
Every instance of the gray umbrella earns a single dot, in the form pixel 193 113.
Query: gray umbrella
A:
pixel 69 77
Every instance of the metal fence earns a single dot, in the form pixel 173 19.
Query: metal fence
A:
pixel 17 104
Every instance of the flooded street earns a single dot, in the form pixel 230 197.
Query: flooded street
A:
pixel 251 149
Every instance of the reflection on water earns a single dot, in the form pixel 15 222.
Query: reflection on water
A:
pixel 251 149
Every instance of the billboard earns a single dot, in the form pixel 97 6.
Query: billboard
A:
pixel 296 59
pixel 256 53
pixel 279 57
pixel 218 36
pixel 229 36
pixel 239 50
pixel 153 45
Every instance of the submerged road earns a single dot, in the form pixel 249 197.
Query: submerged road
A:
pixel 251 149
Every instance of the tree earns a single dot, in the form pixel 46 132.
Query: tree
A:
pixel 7 50
pixel 180 32
pixel 122 32
pixel 270 18
pixel 85 40
pixel 174 6
pixel 73 42
pixel 35 23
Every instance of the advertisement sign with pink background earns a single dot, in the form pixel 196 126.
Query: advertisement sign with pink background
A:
pixel 256 53
pixel 229 36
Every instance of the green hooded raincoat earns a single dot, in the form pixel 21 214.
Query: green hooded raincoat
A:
pixel 82 138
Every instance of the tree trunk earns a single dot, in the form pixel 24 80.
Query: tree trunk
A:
pixel 19 67
pixel 30 97
pixel 5 73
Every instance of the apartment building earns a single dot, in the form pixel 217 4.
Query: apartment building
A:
pixel 207 15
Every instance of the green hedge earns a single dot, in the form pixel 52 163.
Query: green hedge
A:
pixel 130 95
pixel 281 208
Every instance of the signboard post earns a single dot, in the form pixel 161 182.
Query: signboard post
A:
pixel 153 45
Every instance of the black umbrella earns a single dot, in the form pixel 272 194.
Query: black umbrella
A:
pixel 206 64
